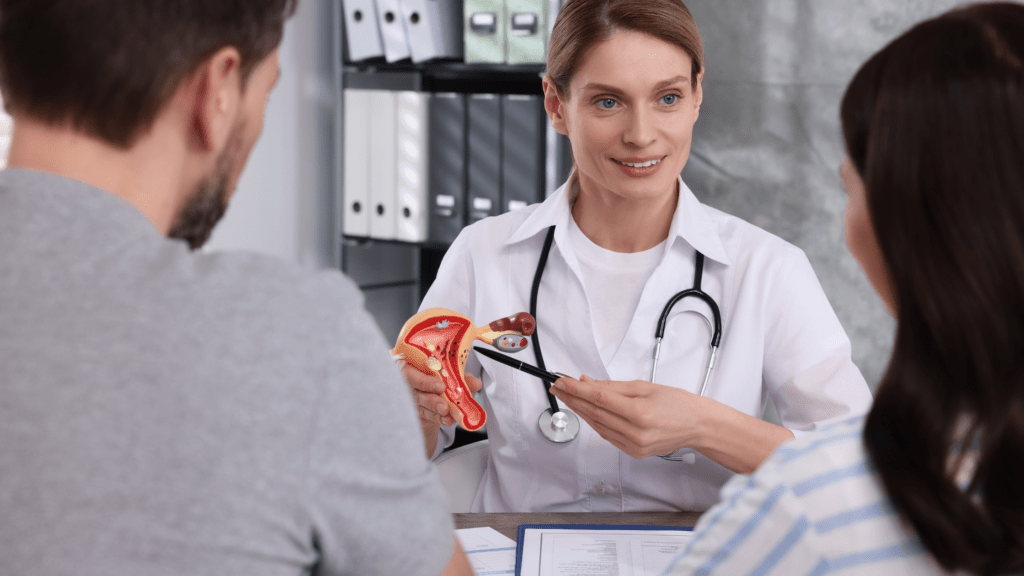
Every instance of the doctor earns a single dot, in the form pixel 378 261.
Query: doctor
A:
pixel 624 84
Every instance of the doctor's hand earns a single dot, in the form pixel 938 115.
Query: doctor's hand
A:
pixel 433 409
pixel 640 418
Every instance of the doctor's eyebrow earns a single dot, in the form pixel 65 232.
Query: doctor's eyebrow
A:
pixel 659 86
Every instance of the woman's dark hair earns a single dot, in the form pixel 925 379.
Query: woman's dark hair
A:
pixel 107 66
pixel 934 125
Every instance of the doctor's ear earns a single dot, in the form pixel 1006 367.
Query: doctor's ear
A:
pixel 554 105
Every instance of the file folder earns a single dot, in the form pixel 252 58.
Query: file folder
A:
pixel 523 146
pixel 392 30
pixel 526 28
pixel 484 30
pixel 484 152
pixel 383 159
pixel 362 34
pixel 447 140
pixel 411 177
pixel 356 180
pixel 434 28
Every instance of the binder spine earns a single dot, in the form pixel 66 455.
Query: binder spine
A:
pixel 523 155
pixel 383 159
pixel 356 180
pixel 485 30
pixel 411 177
pixel 447 146
pixel 484 148
pixel 361 32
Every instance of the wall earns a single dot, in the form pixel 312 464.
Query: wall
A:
pixel 768 145
pixel 283 205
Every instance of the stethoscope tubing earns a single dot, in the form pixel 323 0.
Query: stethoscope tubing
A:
pixel 659 335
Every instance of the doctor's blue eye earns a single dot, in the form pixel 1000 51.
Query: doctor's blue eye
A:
pixel 601 103
pixel 670 99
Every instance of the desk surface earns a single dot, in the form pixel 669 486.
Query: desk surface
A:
pixel 508 524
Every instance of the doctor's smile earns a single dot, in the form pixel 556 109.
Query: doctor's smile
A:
pixel 638 167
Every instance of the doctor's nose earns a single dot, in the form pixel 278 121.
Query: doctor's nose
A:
pixel 639 130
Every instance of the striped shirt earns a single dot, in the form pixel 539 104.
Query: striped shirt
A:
pixel 816 506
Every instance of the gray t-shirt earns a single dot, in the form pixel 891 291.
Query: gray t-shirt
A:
pixel 170 412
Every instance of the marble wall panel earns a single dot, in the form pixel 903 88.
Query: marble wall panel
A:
pixel 767 146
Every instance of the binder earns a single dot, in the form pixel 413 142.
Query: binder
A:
pixel 392 30
pixel 383 158
pixel 356 181
pixel 434 28
pixel 447 140
pixel 411 174
pixel 362 34
pixel 523 145
pixel 484 30
pixel 484 153
pixel 526 27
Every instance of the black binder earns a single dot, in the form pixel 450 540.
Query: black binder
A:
pixel 447 167
pixel 524 139
pixel 484 153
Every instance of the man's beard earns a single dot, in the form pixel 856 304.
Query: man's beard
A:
pixel 208 202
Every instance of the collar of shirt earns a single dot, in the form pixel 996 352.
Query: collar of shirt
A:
pixel 691 223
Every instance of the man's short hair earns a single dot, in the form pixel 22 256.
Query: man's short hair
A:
pixel 106 67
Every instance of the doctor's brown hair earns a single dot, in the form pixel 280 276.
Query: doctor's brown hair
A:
pixel 106 67
pixel 934 124
pixel 583 23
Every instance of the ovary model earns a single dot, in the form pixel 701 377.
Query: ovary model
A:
pixel 437 342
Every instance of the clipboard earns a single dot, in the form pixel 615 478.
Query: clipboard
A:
pixel 521 535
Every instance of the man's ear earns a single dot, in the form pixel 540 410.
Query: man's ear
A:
pixel 217 85
pixel 554 103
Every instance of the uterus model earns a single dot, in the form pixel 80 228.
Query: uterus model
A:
pixel 437 342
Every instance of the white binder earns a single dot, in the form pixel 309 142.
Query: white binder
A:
pixel 382 164
pixel 526 30
pixel 392 30
pixel 362 34
pixel 356 182
pixel 484 30
pixel 434 28
pixel 412 193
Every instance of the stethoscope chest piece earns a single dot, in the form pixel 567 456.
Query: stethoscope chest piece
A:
pixel 562 426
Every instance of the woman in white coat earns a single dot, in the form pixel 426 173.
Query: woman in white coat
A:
pixel 623 82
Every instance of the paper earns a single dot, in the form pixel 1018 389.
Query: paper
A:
pixel 583 552
pixel 490 552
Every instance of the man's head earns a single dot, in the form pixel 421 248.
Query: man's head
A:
pixel 108 69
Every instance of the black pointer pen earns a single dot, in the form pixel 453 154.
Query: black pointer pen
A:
pixel 518 365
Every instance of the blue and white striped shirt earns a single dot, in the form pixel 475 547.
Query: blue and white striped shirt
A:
pixel 815 507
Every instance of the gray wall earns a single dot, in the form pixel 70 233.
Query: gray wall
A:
pixel 284 202
pixel 768 145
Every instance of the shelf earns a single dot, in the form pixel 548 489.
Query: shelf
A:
pixel 441 76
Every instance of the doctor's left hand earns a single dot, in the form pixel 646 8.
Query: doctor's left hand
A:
pixel 640 418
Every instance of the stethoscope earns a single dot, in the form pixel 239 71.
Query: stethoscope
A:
pixel 563 425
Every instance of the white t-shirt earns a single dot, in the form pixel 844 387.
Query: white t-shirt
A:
pixel 613 282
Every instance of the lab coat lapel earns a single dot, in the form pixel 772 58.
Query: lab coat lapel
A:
pixel 692 229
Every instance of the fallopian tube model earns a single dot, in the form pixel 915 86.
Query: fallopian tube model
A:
pixel 437 342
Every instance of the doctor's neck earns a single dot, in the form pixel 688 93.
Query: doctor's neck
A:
pixel 618 223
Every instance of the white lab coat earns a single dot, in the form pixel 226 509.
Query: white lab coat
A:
pixel 780 337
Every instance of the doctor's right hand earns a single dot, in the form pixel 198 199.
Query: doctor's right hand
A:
pixel 433 408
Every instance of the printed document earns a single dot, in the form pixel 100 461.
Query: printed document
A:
pixel 600 552
pixel 490 552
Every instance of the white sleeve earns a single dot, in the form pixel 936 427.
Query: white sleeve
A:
pixel 808 367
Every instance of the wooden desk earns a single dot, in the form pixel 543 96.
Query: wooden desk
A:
pixel 508 524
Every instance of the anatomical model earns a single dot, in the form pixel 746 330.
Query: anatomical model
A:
pixel 437 342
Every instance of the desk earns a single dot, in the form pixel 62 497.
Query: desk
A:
pixel 508 523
